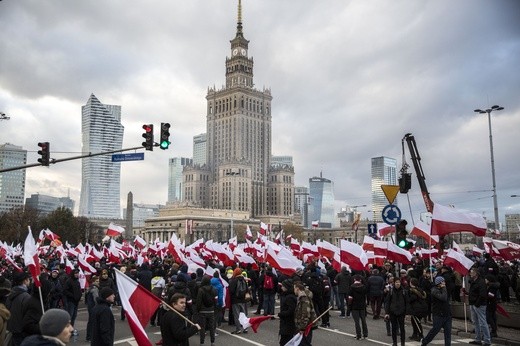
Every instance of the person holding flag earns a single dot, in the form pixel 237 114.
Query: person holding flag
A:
pixel 175 330
pixel 303 314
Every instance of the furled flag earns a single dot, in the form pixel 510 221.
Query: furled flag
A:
pixel 139 304
pixel 460 263
pixel 253 322
pixel 30 257
pixel 114 230
pixel 423 230
pixel 447 220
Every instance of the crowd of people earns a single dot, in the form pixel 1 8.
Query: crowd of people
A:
pixel 199 303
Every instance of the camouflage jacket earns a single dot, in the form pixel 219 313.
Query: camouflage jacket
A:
pixel 304 311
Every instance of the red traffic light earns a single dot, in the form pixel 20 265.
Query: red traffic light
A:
pixel 148 128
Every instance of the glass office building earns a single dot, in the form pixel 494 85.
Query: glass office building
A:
pixel 384 172
pixel 321 208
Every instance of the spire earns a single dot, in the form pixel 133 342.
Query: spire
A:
pixel 239 19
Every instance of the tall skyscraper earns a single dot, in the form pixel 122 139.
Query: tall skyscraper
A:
pixel 101 131
pixel 301 203
pixel 321 195
pixel 175 183
pixel 12 184
pixel 200 144
pixel 384 172
pixel 239 174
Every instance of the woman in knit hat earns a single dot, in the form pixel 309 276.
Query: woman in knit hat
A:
pixel 55 329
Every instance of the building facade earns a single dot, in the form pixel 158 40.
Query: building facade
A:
pixel 321 195
pixel 101 131
pixel 200 144
pixel 383 172
pixel 46 204
pixel 238 173
pixel 282 160
pixel 301 204
pixel 512 228
pixel 175 182
pixel 12 184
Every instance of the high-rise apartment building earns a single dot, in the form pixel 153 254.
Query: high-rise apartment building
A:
pixel 239 174
pixel 200 144
pixel 384 172
pixel 12 184
pixel 175 183
pixel 101 131
pixel 321 195
pixel 46 204
pixel 301 203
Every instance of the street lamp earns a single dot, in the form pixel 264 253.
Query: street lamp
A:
pixel 232 174
pixel 495 202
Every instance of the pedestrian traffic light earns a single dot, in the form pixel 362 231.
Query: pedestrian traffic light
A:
pixel 44 152
pixel 165 135
pixel 400 235
pixel 405 182
pixel 148 136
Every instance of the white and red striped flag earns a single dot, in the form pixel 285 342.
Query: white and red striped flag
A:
pixel 423 230
pixel 477 251
pixel 249 234
pixel 253 322
pixel 397 254
pixel 264 229
pixel 139 304
pixel 114 230
pixel 508 250
pixel 139 242
pixel 460 263
pixel 383 229
pixel 31 259
pixel 353 255
pixel 446 220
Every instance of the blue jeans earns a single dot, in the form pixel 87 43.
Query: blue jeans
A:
pixel 438 323
pixel 478 315
pixel 269 303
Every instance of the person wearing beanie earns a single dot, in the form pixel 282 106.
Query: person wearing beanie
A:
pixel 101 319
pixel 205 307
pixel 441 312
pixel 5 314
pixel 15 302
pixel 395 308
pixel 55 329
pixel 286 314
pixel 358 292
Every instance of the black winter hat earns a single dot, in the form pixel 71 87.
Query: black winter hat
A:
pixel 106 292
pixel 54 321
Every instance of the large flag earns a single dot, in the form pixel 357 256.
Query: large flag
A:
pixel 139 242
pixel 508 250
pixel 353 255
pixel 327 249
pixel 397 254
pixel 283 261
pixel 253 322
pixel 31 259
pixel 447 220
pixel 114 230
pixel 424 230
pixel 458 262
pixel 139 304
pixel 264 229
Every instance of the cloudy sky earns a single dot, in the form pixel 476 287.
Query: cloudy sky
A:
pixel 348 79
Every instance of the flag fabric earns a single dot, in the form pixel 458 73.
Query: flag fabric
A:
pixel 502 311
pixel 423 230
pixel 31 259
pixel 368 243
pixel 249 234
pixel 315 223
pixel 327 249
pixel 458 262
pixel 139 242
pixel 397 254
pixel 447 220
pixel 507 250
pixel 253 322
pixel 263 229
pixel 114 230
pixel 283 261
pixel 383 229
pixel 477 251
pixel 353 255
pixel 456 247
pixel 139 304
pixel 295 341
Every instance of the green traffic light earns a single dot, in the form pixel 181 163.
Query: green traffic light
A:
pixel 165 144
pixel 402 243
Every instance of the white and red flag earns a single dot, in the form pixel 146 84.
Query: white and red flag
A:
pixel 353 255
pixel 458 262
pixel 327 249
pixel 424 230
pixel 368 243
pixel 139 304
pixel 397 254
pixel 380 248
pixel 283 261
pixel 446 220
pixel 508 250
pixel 264 229
pixel 249 234
pixel 383 229
pixel 315 223
pixel 253 322
pixel 139 242
pixel 477 251
pixel 114 230
pixel 31 259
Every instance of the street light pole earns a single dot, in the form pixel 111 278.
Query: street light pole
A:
pixel 495 202
pixel 232 174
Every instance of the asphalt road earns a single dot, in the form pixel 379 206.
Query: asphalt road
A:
pixel 341 332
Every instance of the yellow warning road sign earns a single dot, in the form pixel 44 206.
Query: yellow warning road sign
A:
pixel 391 192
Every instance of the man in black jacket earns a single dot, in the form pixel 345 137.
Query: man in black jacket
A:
pixel 205 307
pixel 441 312
pixel 286 314
pixel 174 328
pixel 358 292
pixel 477 299
pixel 343 281
pixel 102 319
pixel 375 288
pixel 72 293
pixel 16 303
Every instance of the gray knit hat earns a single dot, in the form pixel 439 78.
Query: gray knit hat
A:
pixel 54 321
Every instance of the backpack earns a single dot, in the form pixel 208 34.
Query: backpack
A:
pixel 268 282
pixel 241 290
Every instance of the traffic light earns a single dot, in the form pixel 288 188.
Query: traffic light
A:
pixel 165 135
pixel 148 136
pixel 44 152
pixel 400 235
pixel 405 182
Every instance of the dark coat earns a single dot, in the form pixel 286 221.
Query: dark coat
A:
pixel 477 292
pixel 206 297
pixel 343 280
pixel 175 331
pixel 144 277
pixel 440 302
pixel 375 286
pixel 72 290
pixel 418 302
pixel 102 323
pixel 396 302
pixel 16 301
pixel 358 292
pixel 38 340
pixel 287 307
pixel 275 282
pixel 233 290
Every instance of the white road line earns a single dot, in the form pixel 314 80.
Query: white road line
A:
pixel 124 340
pixel 352 335
pixel 241 338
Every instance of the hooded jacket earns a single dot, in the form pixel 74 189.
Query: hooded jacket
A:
pixel 206 296
pixel 343 280
pixel 16 301
pixel 102 323
pixel 217 284
pixel 358 292
pixel 287 311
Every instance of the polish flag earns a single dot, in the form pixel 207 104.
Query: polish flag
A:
pixel 383 229
pixel 139 242
pixel 308 248
pixel 31 259
pixel 380 248
pixel 353 255
pixel 68 266
pixel 282 261
pixel 295 245
pixel 263 229
pixel 396 254
pixel 139 304
pixel 327 249
pixel 233 242
pixel 458 262
pixel 368 243
pixel 114 230
pixel 447 220
pixel 477 251
pixel 85 266
pixel 428 253
pixel 279 237
pixel 456 247
pixel 253 322
pixel 295 341
pixel 13 263
pixel 423 230
pixel 249 234
pixel 508 250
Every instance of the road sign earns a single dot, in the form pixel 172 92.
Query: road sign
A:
pixel 372 228
pixel 391 214
pixel 127 157
pixel 391 192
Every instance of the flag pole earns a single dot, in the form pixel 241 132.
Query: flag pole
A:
pixel 320 316
pixel 464 304
pixel 41 298
pixel 177 312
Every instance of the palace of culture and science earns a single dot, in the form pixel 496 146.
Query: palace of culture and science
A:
pixel 238 175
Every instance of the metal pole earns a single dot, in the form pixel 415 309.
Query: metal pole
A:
pixel 495 202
